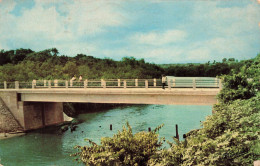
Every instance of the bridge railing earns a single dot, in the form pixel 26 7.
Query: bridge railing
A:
pixel 172 82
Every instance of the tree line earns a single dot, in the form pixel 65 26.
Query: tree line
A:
pixel 26 65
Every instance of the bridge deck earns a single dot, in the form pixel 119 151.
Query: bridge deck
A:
pixel 180 96
pixel 183 91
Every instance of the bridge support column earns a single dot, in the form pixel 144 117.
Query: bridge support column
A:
pixel 33 115
pixel 38 115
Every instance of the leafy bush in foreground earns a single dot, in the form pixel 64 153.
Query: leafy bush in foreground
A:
pixel 228 137
pixel 242 85
pixel 124 148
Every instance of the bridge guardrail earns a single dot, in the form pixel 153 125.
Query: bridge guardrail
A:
pixel 172 82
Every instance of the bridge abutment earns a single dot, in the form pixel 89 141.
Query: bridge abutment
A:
pixel 41 114
pixel 33 115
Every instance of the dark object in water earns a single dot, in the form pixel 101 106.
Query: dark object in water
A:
pixel 73 128
pixel 64 128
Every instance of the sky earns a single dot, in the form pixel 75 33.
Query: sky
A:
pixel 159 31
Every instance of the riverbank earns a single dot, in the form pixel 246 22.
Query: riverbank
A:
pixel 10 135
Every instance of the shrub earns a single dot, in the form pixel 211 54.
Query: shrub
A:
pixel 124 148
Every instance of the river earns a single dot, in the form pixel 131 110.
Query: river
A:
pixel 48 147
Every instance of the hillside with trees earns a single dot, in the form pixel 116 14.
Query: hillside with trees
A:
pixel 26 65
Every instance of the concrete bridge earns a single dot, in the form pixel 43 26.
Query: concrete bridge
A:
pixel 40 103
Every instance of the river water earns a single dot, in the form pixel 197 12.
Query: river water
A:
pixel 49 147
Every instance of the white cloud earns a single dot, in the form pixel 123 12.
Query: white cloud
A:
pixel 227 21
pixel 6 6
pixel 72 48
pixel 90 17
pixel 160 38
pixel 223 32
pixel 197 54
pixel 44 26
pixel 150 54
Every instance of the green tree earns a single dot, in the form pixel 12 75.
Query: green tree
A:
pixel 242 85
pixel 124 148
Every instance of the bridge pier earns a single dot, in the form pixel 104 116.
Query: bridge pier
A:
pixel 41 114
pixel 33 115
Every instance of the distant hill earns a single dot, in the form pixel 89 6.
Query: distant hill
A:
pixel 26 65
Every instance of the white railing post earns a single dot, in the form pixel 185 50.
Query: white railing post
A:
pixel 169 84
pixel 86 83
pixel 5 85
pixel 216 83
pixel 49 83
pixel 173 82
pixel 154 82
pixel 124 83
pixel 194 83
pixel 71 83
pixel 118 83
pixel 33 84
pixel 146 84
pixel 16 84
pixel 66 84
pixel 104 84
pixel 136 82
pixel 55 83
pixel 44 83
pixel 220 84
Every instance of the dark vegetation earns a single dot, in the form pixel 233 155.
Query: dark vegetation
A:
pixel 26 65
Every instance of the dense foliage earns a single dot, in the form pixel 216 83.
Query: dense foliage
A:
pixel 124 148
pixel 203 70
pixel 229 137
pixel 244 84
pixel 26 65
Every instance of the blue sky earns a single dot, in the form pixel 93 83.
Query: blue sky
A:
pixel 166 31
